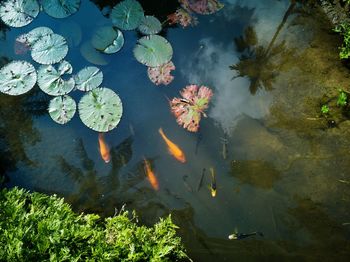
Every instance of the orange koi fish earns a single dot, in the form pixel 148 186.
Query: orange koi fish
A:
pixel 173 149
pixel 150 175
pixel 104 149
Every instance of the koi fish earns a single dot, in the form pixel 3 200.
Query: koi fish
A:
pixel 213 183
pixel 201 180
pixel 173 149
pixel 104 149
pixel 236 236
pixel 150 175
pixel 224 142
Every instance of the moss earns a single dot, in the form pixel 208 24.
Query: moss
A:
pixel 36 227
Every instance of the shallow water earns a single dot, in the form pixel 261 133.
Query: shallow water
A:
pixel 285 173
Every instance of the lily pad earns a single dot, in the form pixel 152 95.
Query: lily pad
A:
pixel 100 109
pixel 49 49
pixel 88 78
pixel 153 51
pixel 18 13
pixel 189 109
pixel 50 79
pixel 108 40
pixel 161 74
pixel 37 34
pixel 17 78
pixel 150 25
pixel 62 109
pixel 60 8
pixel 127 15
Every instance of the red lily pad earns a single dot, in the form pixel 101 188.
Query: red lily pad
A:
pixel 161 74
pixel 189 109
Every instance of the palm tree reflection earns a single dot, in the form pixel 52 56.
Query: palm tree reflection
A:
pixel 260 64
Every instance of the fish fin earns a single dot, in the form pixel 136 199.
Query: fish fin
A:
pixel 160 130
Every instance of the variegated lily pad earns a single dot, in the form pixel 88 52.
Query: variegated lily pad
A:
pixel 88 78
pixel 18 13
pixel 100 109
pixel 108 40
pixel 153 50
pixel 127 15
pixel 50 79
pixel 60 8
pixel 49 49
pixel 150 25
pixel 17 78
pixel 62 109
pixel 37 34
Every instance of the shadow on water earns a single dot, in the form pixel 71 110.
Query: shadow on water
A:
pixel 257 62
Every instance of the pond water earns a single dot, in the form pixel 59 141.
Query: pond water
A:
pixel 280 169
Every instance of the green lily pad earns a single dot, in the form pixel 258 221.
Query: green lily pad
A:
pixel 153 50
pixel 127 15
pixel 18 13
pixel 50 79
pixel 62 109
pixel 37 34
pixel 150 25
pixel 108 40
pixel 49 49
pixel 17 78
pixel 100 109
pixel 88 78
pixel 60 8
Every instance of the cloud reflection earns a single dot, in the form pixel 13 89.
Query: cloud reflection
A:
pixel 232 99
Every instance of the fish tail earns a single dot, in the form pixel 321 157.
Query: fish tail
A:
pixel 160 130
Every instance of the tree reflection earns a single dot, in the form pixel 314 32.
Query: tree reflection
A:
pixel 114 190
pixel 257 62
pixel 16 125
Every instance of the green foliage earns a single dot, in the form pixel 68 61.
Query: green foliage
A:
pixel 342 99
pixel 36 227
pixel 325 109
pixel 344 30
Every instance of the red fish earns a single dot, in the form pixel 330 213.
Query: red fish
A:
pixel 104 149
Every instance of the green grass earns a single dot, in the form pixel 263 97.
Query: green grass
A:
pixel 36 227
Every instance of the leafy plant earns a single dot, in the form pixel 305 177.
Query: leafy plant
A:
pixel 18 13
pixel 150 25
pixel 17 78
pixel 36 227
pixel 189 109
pixel 342 99
pixel 161 74
pixel 59 8
pixel 88 78
pixel 108 40
pixel 127 15
pixel 325 109
pixel 101 109
pixel 62 109
pixel 153 50
pixel 344 30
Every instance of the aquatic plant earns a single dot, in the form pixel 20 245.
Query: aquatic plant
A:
pixel 37 227
pixel 127 15
pixel 189 109
pixel 344 30
pixel 150 25
pixel 62 109
pixel 59 8
pixel 108 40
pixel 17 78
pixel 18 13
pixel 100 109
pixel 182 17
pixel 88 78
pixel 49 49
pixel 50 79
pixel 161 74
pixel 325 109
pixel 342 99
pixel 203 7
pixel 153 50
